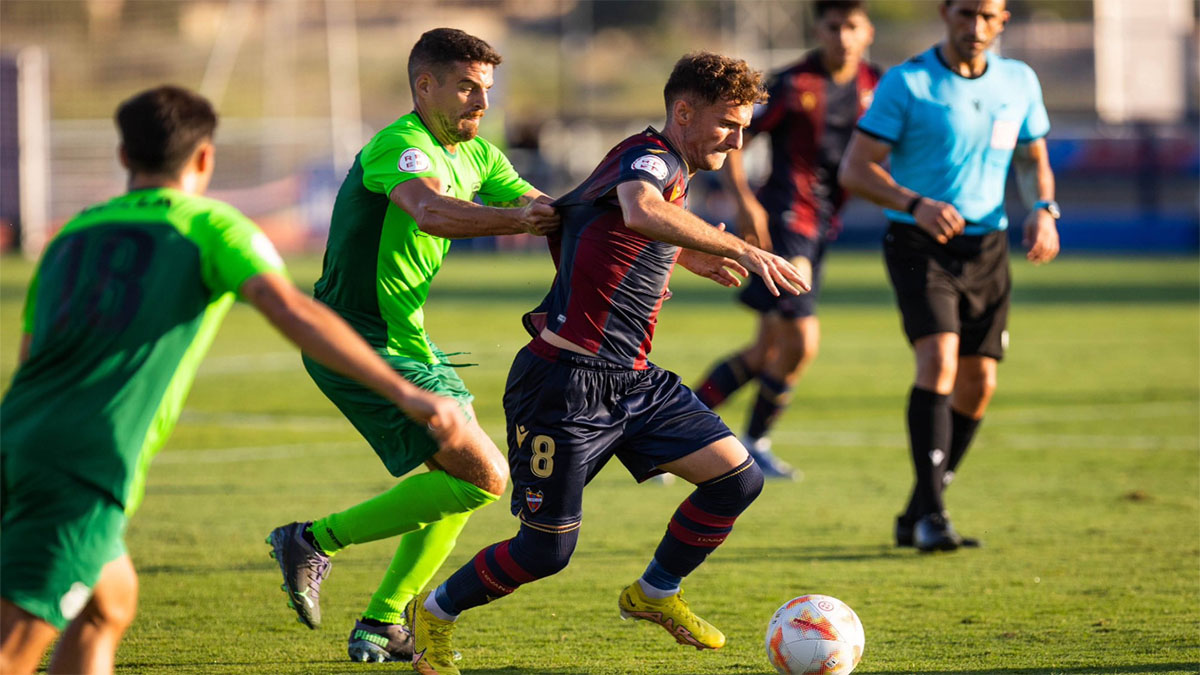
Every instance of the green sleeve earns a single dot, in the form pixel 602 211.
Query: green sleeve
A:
pixel 30 299
pixel 395 156
pixel 501 184
pixel 236 251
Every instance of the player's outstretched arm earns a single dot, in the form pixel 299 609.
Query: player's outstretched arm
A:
pixel 645 211
pixel 452 218
pixel 325 337
pixel 862 173
pixel 1035 179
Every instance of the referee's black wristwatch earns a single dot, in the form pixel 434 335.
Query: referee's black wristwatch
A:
pixel 1051 207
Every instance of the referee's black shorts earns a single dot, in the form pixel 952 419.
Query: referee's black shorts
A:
pixel 962 286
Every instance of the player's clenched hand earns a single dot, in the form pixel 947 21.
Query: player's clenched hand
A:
pixel 722 270
pixel 441 415
pixel 1041 237
pixel 776 272
pixel 539 217
pixel 939 219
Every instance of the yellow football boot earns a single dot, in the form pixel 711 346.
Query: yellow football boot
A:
pixel 432 653
pixel 673 614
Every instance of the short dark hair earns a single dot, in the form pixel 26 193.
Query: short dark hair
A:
pixel 440 48
pixel 161 128
pixel 711 77
pixel 820 7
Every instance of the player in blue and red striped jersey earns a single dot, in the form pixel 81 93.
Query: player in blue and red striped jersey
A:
pixel 813 107
pixel 583 390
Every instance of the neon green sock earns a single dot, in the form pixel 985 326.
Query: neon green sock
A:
pixel 417 559
pixel 412 504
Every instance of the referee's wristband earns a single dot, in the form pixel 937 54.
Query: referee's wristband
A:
pixel 912 205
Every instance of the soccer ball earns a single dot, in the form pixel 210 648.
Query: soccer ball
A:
pixel 815 634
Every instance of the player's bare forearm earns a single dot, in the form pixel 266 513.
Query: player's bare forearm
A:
pixel 752 218
pixel 452 218
pixel 645 211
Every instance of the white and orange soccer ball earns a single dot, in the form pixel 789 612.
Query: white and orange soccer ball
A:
pixel 815 634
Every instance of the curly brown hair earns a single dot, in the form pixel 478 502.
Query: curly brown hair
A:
pixel 711 77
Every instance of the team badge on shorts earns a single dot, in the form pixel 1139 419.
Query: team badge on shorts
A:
pixel 533 500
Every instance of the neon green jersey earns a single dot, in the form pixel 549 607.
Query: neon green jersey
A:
pixel 124 303
pixel 378 264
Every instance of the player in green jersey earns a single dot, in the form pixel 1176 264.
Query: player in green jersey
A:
pixel 122 307
pixel 409 192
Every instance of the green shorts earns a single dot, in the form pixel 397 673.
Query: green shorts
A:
pixel 59 533
pixel 403 444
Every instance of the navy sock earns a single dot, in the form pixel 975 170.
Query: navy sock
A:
pixel 726 377
pixel 773 397
pixel 706 517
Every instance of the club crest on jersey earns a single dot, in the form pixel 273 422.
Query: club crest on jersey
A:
pixel 413 160
pixel 533 500
pixel 651 165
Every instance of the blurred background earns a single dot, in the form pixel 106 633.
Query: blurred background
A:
pixel 302 84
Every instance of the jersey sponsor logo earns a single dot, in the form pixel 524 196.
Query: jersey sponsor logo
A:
pixel 808 100
pixel 264 249
pixel 866 98
pixel 1004 134
pixel 522 432
pixel 651 165
pixel 533 500
pixel 413 160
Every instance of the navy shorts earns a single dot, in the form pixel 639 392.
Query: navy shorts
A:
pixel 788 243
pixel 568 414
pixel 962 286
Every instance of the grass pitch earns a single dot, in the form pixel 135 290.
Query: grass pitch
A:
pixel 1084 483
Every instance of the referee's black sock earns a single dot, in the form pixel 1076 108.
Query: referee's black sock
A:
pixel 962 432
pixel 929 438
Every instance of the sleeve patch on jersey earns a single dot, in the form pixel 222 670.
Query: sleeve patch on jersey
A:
pixel 266 250
pixel 413 160
pixel 651 165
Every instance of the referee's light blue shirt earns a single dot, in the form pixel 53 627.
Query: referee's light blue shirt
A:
pixel 953 137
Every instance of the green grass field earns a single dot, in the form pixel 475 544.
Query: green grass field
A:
pixel 1084 483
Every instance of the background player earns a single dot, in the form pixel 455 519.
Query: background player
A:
pixel 122 308
pixel 583 389
pixel 407 195
pixel 809 118
pixel 950 118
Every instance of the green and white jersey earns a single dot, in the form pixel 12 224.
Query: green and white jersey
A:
pixel 378 264
pixel 124 303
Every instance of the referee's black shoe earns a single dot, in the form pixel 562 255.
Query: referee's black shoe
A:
pixel 904 535
pixel 934 532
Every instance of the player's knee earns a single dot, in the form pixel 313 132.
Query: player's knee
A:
pixel 114 599
pixel 543 554
pixel 112 613
pixel 733 492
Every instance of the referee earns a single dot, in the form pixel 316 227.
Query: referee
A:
pixel 953 119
